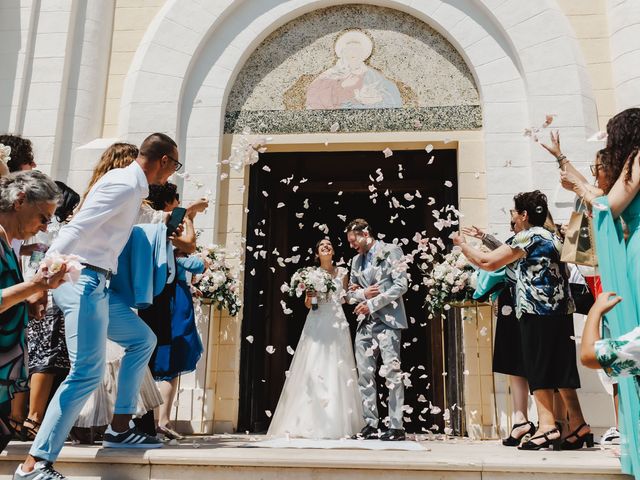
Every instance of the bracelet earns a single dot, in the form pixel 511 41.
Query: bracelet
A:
pixel 561 157
pixel 562 163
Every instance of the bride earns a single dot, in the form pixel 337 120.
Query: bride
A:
pixel 320 398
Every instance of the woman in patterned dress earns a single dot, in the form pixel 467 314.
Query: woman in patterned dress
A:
pixel 544 309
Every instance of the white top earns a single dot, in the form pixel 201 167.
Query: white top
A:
pixel 100 230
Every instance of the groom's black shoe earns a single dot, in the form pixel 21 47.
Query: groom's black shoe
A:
pixel 393 434
pixel 367 433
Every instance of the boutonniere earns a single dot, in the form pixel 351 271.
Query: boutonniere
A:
pixel 381 255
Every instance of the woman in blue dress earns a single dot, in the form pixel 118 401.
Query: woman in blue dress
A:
pixel 618 259
pixel 172 318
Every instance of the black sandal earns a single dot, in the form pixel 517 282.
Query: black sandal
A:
pixel 555 442
pixel 579 439
pixel 17 431
pixel 512 441
pixel 5 433
pixel 30 432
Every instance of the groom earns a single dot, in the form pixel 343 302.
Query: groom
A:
pixel 377 282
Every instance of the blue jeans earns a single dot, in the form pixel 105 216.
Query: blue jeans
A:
pixel 91 316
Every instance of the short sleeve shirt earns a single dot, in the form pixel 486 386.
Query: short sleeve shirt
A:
pixel 542 286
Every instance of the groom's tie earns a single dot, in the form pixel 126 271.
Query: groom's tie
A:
pixel 367 260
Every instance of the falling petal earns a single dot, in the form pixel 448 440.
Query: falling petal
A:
pixel 270 349
pixel 387 152
pixel 290 350
pixel 334 127
pixel 250 338
pixel 599 136
pixel 448 183
pixel 428 148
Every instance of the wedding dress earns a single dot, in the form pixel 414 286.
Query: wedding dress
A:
pixel 320 398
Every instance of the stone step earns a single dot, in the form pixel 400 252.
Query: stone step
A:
pixel 227 458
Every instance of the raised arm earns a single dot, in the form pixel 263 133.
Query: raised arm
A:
pixel 563 162
pixel 490 261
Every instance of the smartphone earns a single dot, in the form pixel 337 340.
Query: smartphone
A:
pixel 175 219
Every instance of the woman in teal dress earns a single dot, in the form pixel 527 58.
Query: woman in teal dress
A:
pixel 618 259
pixel 27 203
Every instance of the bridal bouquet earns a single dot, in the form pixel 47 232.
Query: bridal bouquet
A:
pixel 311 279
pixel 449 279
pixel 217 284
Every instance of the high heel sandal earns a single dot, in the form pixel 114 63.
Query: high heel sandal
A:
pixel 5 433
pixel 16 428
pixel 580 439
pixel 554 442
pixel 30 432
pixel 512 441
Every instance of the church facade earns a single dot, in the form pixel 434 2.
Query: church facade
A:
pixel 247 84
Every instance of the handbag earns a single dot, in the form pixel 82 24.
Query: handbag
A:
pixel 582 297
pixel 579 245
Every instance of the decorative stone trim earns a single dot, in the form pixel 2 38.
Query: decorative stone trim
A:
pixel 459 117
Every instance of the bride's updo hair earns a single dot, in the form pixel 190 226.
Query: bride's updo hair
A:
pixel 316 250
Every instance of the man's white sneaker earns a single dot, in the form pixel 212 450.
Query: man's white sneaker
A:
pixel 132 438
pixel 41 471
pixel 610 437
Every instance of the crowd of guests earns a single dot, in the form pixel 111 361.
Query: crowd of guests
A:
pixel 54 333
pixel 534 341
pixel 68 344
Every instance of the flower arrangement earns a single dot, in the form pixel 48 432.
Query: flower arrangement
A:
pixel 449 277
pixel 311 279
pixel 217 284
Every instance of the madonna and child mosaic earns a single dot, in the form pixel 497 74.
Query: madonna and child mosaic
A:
pixel 366 68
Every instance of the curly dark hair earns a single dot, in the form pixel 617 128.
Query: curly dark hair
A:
pixel 160 195
pixel 21 151
pixel 535 204
pixel 623 141
pixel 607 168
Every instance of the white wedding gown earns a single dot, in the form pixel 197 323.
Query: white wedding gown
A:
pixel 320 398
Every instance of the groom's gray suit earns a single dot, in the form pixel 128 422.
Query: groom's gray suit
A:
pixel 380 332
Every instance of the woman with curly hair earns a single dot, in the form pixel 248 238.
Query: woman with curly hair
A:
pixel 618 259
pixel 21 153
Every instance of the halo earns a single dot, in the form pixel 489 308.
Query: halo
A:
pixel 354 36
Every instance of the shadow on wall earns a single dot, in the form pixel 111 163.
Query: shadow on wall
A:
pixel 10 44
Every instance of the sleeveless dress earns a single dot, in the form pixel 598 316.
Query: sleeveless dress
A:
pixel 320 398
pixel 618 263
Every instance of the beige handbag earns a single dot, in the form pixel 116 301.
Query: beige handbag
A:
pixel 579 243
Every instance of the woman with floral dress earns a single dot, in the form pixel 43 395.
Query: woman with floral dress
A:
pixel 618 357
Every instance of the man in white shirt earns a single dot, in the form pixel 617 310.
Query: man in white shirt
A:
pixel 98 233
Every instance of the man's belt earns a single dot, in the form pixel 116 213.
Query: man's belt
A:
pixel 103 271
